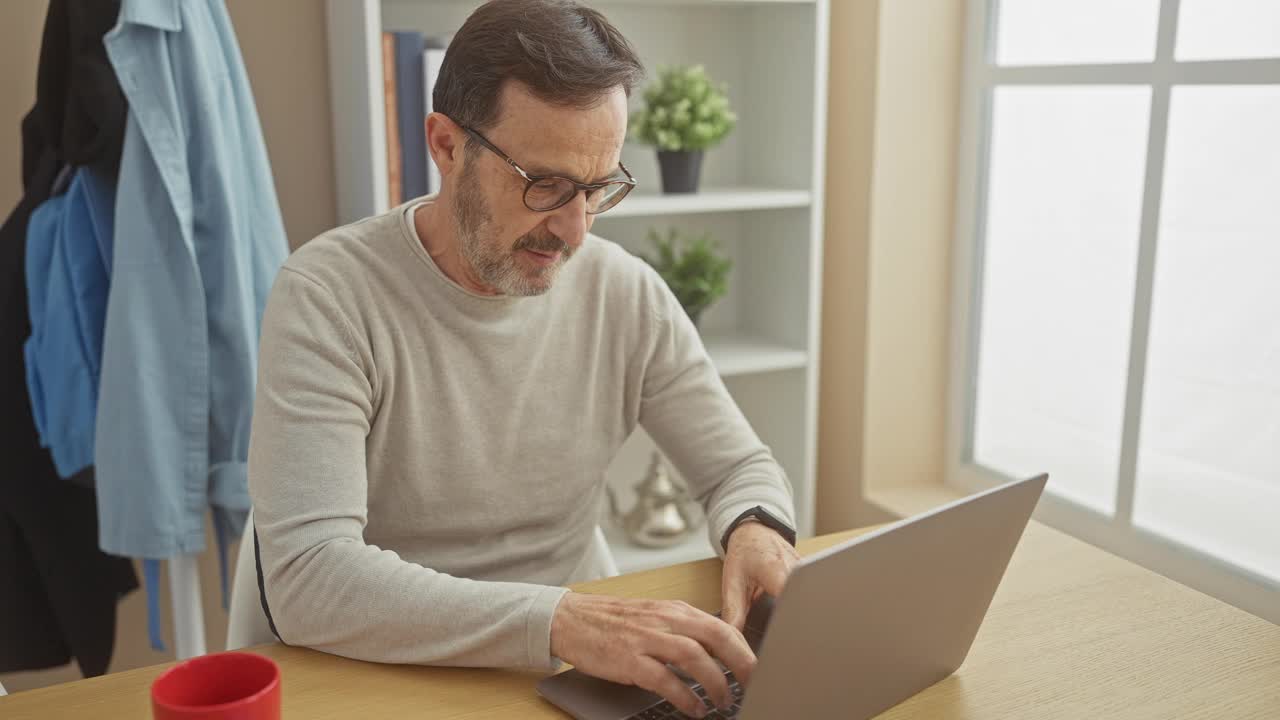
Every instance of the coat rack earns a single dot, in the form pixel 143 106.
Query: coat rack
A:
pixel 188 610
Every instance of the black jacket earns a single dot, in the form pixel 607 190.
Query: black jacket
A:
pixel 59 592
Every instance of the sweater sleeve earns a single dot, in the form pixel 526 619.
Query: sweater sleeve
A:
pixel 325 587
pixel 689 413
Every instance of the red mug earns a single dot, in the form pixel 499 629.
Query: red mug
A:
pixel 221 686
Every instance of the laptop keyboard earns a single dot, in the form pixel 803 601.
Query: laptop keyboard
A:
pixel 666 711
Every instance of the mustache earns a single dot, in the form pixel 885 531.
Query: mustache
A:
pixel 542 244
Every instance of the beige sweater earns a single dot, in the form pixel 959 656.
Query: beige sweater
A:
pixel 427 464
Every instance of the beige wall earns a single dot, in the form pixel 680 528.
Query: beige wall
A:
pixel 850 145
pixel 20 26
pixel 283 43
pixel 892 125
pixel 285 51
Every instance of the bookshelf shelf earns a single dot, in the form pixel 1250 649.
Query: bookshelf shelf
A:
pixel 633 558
pixel 709 200
pixel 743 355
pixel 762 197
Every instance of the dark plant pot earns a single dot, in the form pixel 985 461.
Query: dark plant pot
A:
pixel 680 170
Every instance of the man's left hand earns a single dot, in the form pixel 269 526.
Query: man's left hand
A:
pixel 757 561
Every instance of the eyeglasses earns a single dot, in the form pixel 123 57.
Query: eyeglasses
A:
pixel 543 193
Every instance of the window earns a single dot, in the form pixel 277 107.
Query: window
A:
pixel 1118 277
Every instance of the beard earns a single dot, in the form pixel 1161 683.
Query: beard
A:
pixel 501 268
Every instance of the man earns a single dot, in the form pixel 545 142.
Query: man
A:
pixel 442 387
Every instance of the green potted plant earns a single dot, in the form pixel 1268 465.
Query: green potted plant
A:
pixel 697 272
pixel 684 114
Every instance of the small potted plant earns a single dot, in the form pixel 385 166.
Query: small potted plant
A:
pixel 683 115
pixel 697 274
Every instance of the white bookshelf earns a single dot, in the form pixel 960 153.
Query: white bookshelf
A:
pixel 762 198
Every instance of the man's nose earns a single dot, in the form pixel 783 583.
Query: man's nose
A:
pixel 569 221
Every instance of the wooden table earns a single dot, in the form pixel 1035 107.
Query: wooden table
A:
pixel 1073 633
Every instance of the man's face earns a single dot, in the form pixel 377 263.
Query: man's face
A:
pixel 511 249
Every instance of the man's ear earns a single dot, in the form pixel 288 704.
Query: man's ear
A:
pixel 445 141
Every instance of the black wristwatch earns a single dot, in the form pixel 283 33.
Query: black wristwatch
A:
pixel 767 519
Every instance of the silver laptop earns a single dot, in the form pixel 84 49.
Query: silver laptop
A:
pixel 861 626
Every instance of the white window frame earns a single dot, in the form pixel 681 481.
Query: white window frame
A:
pixel 1117 533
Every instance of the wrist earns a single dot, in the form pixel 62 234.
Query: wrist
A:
pixel 761 517
pixel 559 624
pixel 746 524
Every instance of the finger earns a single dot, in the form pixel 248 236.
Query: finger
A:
pixel 693 659
pixel 657 678
pixel 725 642
pixel 734 595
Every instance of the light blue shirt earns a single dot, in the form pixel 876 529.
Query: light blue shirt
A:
pixel 198 241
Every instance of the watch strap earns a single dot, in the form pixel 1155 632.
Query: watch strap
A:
pixel 763 516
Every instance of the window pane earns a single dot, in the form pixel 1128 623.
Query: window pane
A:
pixel 1063 213
pixel 1063 32
pixel 1228 29
pixel 1209 453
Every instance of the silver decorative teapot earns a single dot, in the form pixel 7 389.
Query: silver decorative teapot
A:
pixel 664 512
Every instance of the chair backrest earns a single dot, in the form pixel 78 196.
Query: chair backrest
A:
pixel 610 566
pixel 246 623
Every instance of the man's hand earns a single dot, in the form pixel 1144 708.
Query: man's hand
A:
pixel 757 561
pixel 632 641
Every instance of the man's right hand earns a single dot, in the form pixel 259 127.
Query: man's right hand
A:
pixel 632 642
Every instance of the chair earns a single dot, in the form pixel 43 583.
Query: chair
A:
pixel 246 623
pixel 610 565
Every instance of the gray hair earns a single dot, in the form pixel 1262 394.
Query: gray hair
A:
pixel 565 53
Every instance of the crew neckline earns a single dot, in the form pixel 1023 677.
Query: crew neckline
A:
pixel 410 232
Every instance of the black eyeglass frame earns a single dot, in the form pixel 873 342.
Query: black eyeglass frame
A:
pixel 529 180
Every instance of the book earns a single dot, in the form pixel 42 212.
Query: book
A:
pixel 392 122
pixel 432 59
pixel 411 113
